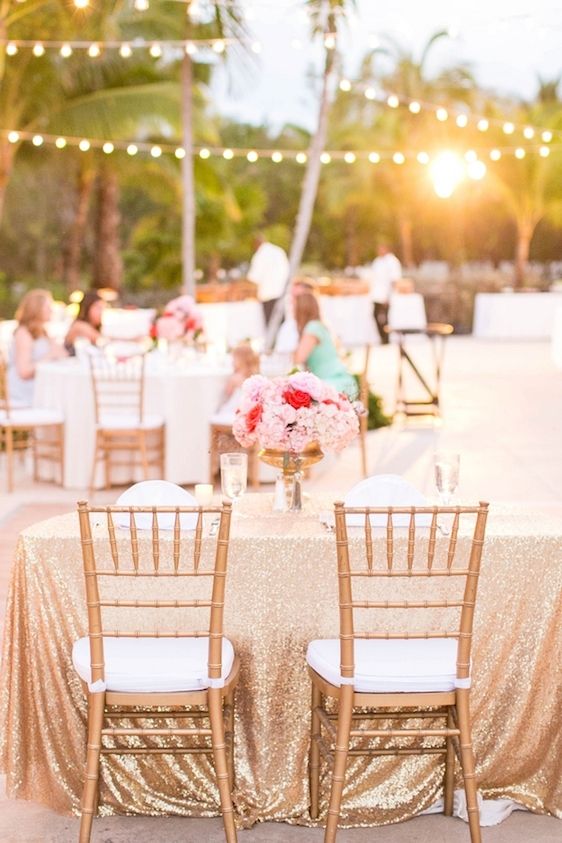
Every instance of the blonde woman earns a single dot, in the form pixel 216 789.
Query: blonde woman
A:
pixel 30 345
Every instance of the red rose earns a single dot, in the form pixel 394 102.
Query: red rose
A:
pixel 253 417
pixel 329 401
pixel 297 398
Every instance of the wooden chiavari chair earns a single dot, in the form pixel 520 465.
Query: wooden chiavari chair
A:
pixel 405 673
pixel 124 665
pixel 122 427
pixel 19 429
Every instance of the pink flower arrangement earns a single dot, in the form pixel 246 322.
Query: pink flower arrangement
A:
pixel 289 413
pixel 181 318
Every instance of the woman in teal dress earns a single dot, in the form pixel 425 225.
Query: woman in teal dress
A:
pixel 316 349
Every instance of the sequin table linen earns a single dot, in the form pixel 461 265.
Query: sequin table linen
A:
pixel 281 592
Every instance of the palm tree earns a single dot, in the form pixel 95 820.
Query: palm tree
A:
pixel 326 17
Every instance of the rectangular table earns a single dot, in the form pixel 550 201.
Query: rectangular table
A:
pixel 515 315
pixel 281 592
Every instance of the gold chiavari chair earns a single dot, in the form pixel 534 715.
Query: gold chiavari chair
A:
pixel 408 673
pixel 19 429
pixel 129 671
pixel 123 429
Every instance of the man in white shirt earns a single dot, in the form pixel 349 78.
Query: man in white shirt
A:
pixel 269 270
pixel 386 270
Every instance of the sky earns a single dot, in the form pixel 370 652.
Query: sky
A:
pixel 508 44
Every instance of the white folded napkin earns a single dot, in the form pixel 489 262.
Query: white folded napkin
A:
pixel 385 490
pixel 156 493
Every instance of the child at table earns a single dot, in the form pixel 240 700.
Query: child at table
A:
pixel 245 362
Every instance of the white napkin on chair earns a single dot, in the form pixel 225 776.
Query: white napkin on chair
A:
pixel 385 490
pixel 156 493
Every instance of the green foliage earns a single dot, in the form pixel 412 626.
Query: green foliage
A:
pixel 377 417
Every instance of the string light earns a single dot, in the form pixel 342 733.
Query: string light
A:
pixel 345 85
pixel 11 49
pixel 38 50
pixel 508 128
pixel 142 5
pixel 442 114
pixel 483 124
pixel 66 51
pixel 546 136
pixel 155 51
pixel 125 51
pixel 397 156
pixel 476 170
pixel 529 132
pixel 393 101
pixel 94 51
pixel 461 121
pixel 370 94
pixel 414 107
pixel 219 47
pixel 330 42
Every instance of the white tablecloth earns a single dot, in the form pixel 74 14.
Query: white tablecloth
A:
pixel 515 315
pixel 229 323
pixel 186 395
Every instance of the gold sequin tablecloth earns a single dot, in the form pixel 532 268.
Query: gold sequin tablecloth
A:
pixel 281 592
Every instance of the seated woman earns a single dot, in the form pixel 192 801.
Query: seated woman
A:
pixel 87 323
pixel 30 345
pixel 245 362
pixel 316 349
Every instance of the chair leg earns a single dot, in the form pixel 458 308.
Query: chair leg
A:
pixel 221 768
pixel 229 735
pixel 107 447
pixel 363 446
pixel 342 747
pixel 314 753
pixel 9 442
pixel 96 705
pixel 162 454
pixel 94 466
pixel 467 760
pixel 449 781
pixel 143 454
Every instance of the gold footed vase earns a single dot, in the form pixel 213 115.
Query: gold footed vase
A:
pixel 288 486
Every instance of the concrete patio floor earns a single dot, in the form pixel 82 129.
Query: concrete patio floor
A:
pixel 502 406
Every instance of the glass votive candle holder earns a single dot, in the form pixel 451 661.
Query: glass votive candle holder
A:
pixel 204 494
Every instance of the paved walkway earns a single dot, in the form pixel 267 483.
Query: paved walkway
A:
pixel 502 406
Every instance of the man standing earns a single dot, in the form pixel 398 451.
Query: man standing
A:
pixel 269 270
pixel 385 272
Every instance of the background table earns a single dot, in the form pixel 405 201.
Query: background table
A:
pixel 281 592
pixel 186 394
pixel 515 315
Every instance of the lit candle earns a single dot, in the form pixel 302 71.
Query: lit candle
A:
pixel 204 494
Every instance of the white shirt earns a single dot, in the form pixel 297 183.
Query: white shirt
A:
pixel 385 270
pixel 269 269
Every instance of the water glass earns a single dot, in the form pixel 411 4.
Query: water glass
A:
pixel 446 475
pixel 234 475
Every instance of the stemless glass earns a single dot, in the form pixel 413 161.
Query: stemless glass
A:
pixel 446 475
pixel 234 475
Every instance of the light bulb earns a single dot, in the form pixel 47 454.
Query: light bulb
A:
pixel 204 153
pixel 398 158
pixel 155 51
pixel 132 149
pixel 38 50
pixel 252 156
pixel 13 137
pixel 60 143
pixel 350 158
pixel 370 94
pixel 508 128
pixel 546 136
pixel 300 157
pixel 156 152
pixel 422 158
pixel 325 158
pixel 66 51
pixel 108 148
pixel 94 51
pixel 345 85
pixel 495 154
pixel 483 125
pixel 461 121
pixel 37 140
pixel 519 152
pixel 228 154
pixel 11 49
pixel 125 51
pixel 414 107
pixel 180 152
pixel 529 132
pixel 84 145
pixel 544 151
pixel 442 114
pixel 277 157
pixel 374 157
pixel 393 101
pixel 219 46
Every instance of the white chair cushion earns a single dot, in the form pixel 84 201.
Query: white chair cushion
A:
pixel 399 665
pixel 123 421
pixel 146 665
pixel 30 416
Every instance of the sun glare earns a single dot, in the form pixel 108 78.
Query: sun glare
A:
pixel 447 170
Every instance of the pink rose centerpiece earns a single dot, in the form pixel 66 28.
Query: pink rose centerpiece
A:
pixel 289 414
pixel 181 320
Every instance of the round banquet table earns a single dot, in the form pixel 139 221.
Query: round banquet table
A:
pixel 282 592
pixel 186 393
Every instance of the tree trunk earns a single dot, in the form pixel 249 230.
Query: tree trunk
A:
pixel 6 163
pixel 72 248
pixel 406 243
pixel 524 237
pixel 108 264
pixel 188 180
pixel 308 196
